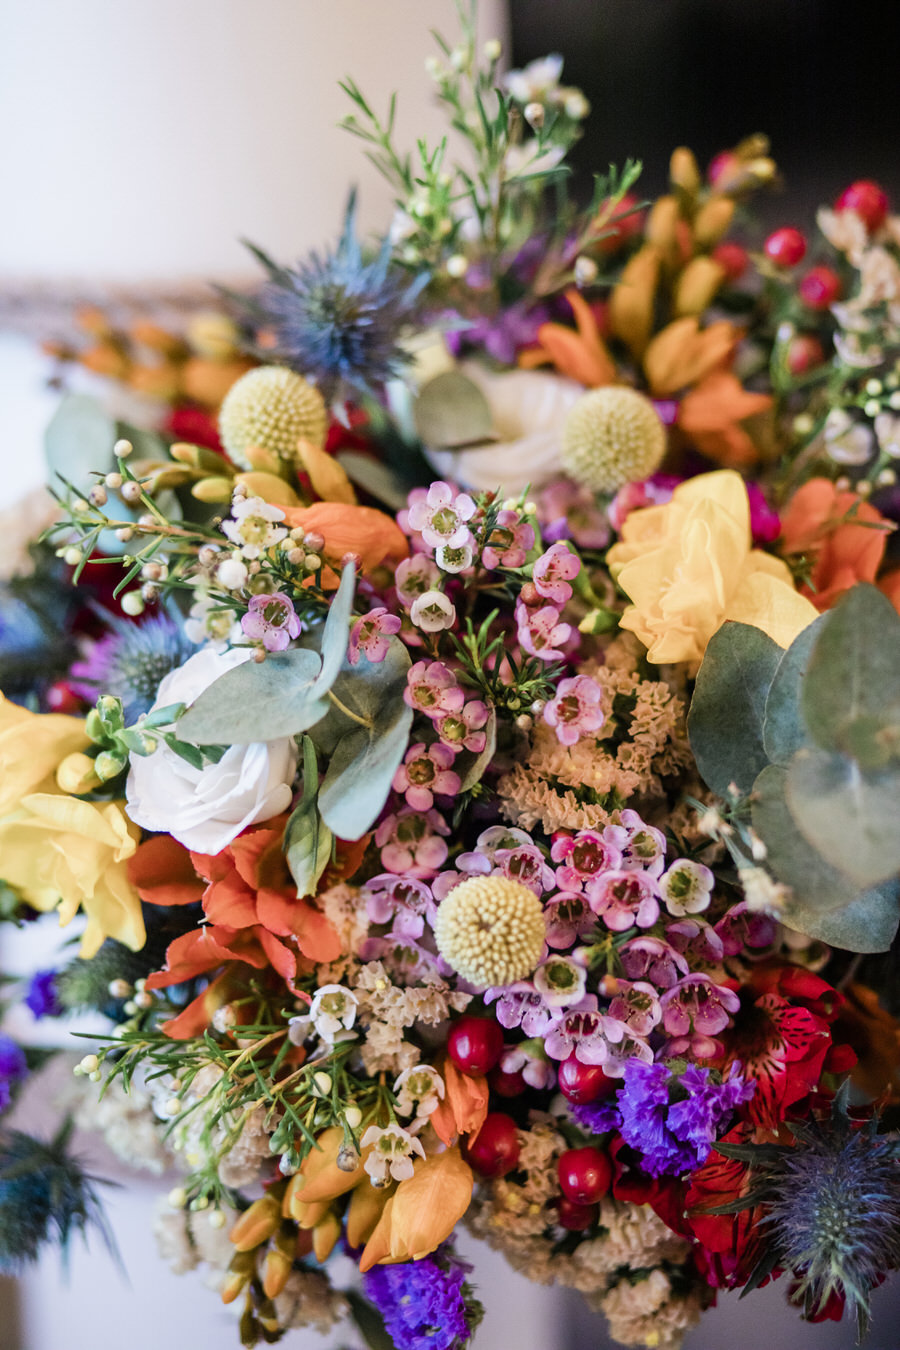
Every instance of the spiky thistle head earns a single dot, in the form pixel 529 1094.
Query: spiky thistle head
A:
pixel 44 1195
pixel 130 662
pixel 337 317
pixel 833 1202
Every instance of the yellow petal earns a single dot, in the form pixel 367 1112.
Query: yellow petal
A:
pixel 329 480
pixel 270 487
pixel 772 605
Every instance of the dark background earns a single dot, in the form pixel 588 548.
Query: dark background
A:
pixel 820 77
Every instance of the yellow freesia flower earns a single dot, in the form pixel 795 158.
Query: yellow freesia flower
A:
pixel 688 566
pixel 32 745
pixel 62 853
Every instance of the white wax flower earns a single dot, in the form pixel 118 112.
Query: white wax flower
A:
pixel 206 808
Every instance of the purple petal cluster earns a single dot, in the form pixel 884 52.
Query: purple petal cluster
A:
pixel 673 1120
pixel 423 1302
pixel 42 998
pixel 13 1068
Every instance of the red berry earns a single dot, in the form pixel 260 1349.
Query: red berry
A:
pixel 803 353
pixel 630 224
pixel 582 1083
pixel 723 166
pixel 585 1175
pixel 506 1084
pixel 786 246
pixel 868 199
pixel 733 258
pixel 61 698
pixel 575 1217
pixel 819 288
pixel 475 1044
pixel 495 1149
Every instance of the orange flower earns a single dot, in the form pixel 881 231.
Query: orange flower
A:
pixel 423 1211
pixel 683 354
pixel 371 534
pixel 843 535
pixel 464 1106
pixel 582 356
pixel 710 415
pixel 210 948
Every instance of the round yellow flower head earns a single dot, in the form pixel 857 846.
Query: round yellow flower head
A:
pixel 273 409
pixel 612 436
pixel 491 930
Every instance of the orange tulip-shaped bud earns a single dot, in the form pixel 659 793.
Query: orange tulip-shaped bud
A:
pixel 240 1273
pixel 712 221
pixel 320 1177
pixel 662 226
pixel 325 1235
pixel 162 382
pixel 423 1212
pixel 271 487
pixel 105 359
pixel 464 1105
pixel 631 303
pixel 683 171
pixel 329 481
pixel 682 354
pixel 307 1216
pixel 367 1204
pixel 197 456
pixel 697 285
pixel 257 1224
pixel 279 1261
pixel 156 338
pixel 92 320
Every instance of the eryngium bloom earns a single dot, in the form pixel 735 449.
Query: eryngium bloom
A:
pixel 336 317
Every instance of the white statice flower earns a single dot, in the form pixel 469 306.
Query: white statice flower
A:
pixel 879 278
pixel 419 1090
pixel 887 433
pixel 308 1299
pixel 126 1121
pixel 254 526
pixel 850 348
pixel 331 1015
pixel 762 892
pixel 538 80
pixel 200 1143
pixel 206 808
pixel 392 1153
pixel 846 441
pixel 528 411
pixel 187 1238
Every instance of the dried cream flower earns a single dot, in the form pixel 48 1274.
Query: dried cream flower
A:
pixel 491 930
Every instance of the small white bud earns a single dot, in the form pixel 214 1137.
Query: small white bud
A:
pixel 122 449
pixel 322 1083
pixel 585 271
pixel 125 533
pixel 457 266
pixel 353 1117
pixel 803 424
pixel 492 49
pixel 534 115
pixel 874 387
pixel 173 1106
pixel 98 495
pixel 216 1219
pixel 177 1198
pixel 132 603
pixel 113 480
pixel 119 988
pixel 89 1064
pixel 131 491
pixel 872 407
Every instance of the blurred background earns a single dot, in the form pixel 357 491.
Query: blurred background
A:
pixel 142 141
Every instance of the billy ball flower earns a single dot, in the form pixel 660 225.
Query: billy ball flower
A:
pixel 612 436
pixel 271 408
pixel 491 930
pixel 271 619
pixel 575 711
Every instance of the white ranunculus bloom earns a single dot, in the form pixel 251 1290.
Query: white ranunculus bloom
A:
pixel 205 809
pixel 528 410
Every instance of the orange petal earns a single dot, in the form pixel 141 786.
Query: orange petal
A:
pixel 162 873
pixel 464 1106
pixel 351 529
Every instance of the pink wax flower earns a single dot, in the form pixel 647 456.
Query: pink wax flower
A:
pixel 696 1004
pixel 650 958
pixel 653 491
pixel 569 510
pixel 575 711
pixel 509 542
pixel 424 772
pixel 414 576
pixel 540 632
pixel 568 917
pixel 431 689
pixel 581 1033
pixel 433 612
pixel 623 899
pixel 553 571
pixel 765 526
pixel 526 865
pixel 686 887
pixel 402 902
pixel 643 845
pixel 463 730
pixel 586 854
pixel 411 842
pixel 371 635
pixel 441 518
pixel 743 927
pixel 271 620
pixel 620 1051
pixel 637 1005
pixel 520 1005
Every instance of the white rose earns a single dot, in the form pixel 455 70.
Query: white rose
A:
pixel 528 411
pixel 205 809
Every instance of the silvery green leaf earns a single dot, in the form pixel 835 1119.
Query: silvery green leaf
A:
pixel 255 702
pixel 307 839
pixel 867 924
pixel 378 479
pixel 475 770
pixel 79 441
pixel 336 633
pixel 789 856
pixel 783 727
pixel 451 411
pixel 848 815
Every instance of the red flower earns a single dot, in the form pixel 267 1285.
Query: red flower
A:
pixel 665 1195
pixel 731 1243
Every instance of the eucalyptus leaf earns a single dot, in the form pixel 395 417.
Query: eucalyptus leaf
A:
pixel 79 440
pixel 848 815
pixel 791 858
pixel 725 725
pixel 307 839
pixel 853 679
pixel 378 479
pixel 784 731
pixel 336 633
pixel 255 702
pixel 867 924
pixel 451 412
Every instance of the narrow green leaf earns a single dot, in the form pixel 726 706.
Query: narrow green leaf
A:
pixel 725 725
pixel 846 814
pixel 307 839
pixel 475 770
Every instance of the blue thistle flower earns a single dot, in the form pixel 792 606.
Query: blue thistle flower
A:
pixel 131 661
pixel 44 1195
pixel 834 1216
pixel 337 317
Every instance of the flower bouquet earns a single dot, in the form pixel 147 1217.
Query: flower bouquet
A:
pixel 479 786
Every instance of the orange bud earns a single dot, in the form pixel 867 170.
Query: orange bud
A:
pixel 279 1262
pixel 329 480
pixel 682 354
pixel 367 1204
pixel 92 320
pixel 240 1272
pixel 697 285
pixel 683 170
pixel 631 303
pixel 156 338
pixel 423 1211
pixel 325 1235
pixel 104 359
pixel 464 1106
pixel 308 1215
pixel 209 381
pixel 257 1223
pixel 270 487
pixel 712 220
pixel 156 381
pixel 662 226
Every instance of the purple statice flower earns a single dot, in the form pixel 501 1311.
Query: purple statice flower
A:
pixel 13 1069
pixel 598 1117
pixel 672 1120
pixel 42 998
pixel 131 661
pixel 424 1303
pixel 271 619
pixel 502 335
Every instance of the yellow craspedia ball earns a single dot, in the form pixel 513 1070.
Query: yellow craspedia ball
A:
pixel 491 930
pixel 272 408
pixel 611 437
